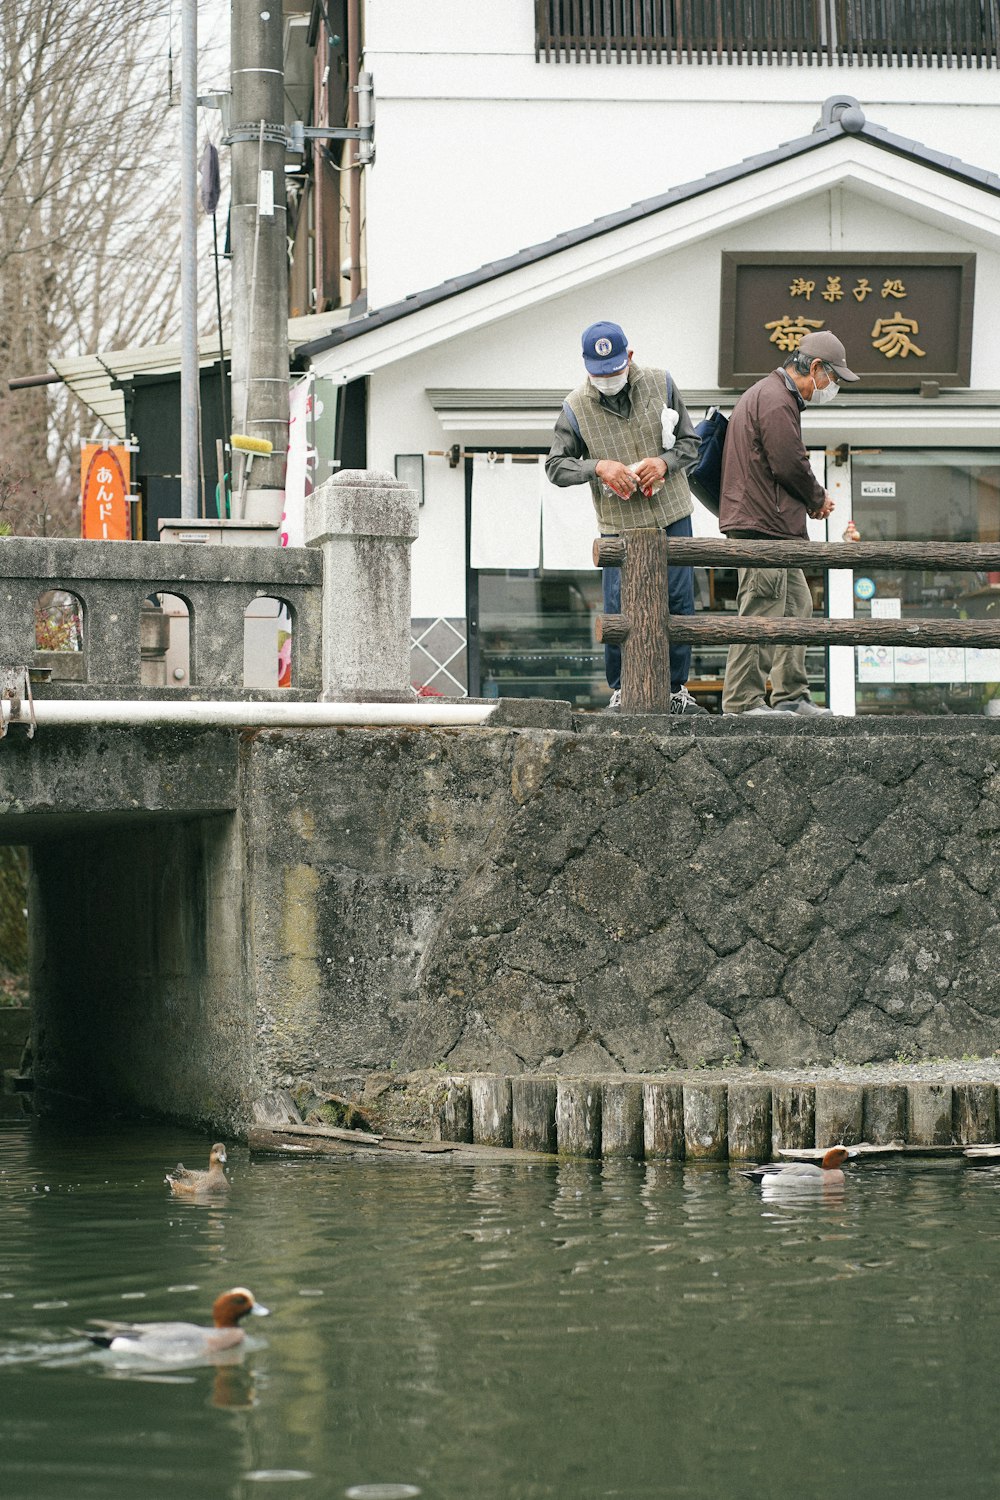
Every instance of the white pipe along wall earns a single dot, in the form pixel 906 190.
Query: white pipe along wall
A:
pixel 53 713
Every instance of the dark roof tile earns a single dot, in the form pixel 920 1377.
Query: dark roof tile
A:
pixel 875 135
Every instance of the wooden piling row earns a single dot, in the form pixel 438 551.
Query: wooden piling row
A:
pixel 696 1120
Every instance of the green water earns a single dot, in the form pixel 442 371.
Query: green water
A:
pixel 569 1331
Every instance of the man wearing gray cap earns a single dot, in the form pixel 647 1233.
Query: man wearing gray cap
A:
pixel 768 491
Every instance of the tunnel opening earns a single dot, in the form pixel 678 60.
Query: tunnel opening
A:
pixel 15 990
pixel 130 947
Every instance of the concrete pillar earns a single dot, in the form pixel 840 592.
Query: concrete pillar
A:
pixel 929 1114
pixel 621 1119
pixel 749 1110
pixel 974 1113
pixel 491 1110
pixel 793 1116
pixel 663 1120
pixel 705 1128
pixel 454 1114
pixel 260 250
pixel 885 1113
pixel 533 1113
pixel 839 1114
pixel 578 1117
pixel 365 523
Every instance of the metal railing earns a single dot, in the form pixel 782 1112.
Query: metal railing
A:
pixel 876 32
pixel 646 623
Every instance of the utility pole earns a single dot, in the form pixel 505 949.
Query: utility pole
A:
pixel 260 250
pixel 189 260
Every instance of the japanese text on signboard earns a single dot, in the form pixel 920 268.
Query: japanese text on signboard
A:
pixel 903 319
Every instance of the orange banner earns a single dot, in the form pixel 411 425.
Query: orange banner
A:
pixel 104 480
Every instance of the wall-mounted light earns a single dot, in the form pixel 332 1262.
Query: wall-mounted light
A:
pixel 410 469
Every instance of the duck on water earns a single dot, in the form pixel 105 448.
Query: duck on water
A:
pixel 181 1343
pixel 185 1182
pixel 779 1175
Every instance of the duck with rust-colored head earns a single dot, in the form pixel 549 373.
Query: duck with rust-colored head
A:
pixel 826 1173
pixel 181 1343
pixel 185 1183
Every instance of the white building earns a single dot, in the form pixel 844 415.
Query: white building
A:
pixel 653 193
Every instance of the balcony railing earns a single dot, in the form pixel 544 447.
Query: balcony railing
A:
pixel 915 33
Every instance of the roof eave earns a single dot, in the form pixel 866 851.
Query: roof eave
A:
pixel 874 135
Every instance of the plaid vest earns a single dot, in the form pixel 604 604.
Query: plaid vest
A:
pixel 629 439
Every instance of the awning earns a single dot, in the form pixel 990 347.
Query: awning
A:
pixel 90 376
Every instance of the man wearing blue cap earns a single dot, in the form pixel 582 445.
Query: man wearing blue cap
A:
pixel 626 432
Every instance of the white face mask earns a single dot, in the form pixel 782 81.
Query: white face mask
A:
pixel 610 385
pixel 821 396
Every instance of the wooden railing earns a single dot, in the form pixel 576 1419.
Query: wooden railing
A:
pixel 646 623
pixel 912 32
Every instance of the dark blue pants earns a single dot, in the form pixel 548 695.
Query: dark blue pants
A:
pixel 680 595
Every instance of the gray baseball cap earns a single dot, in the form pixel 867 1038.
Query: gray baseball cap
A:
pixel 827 347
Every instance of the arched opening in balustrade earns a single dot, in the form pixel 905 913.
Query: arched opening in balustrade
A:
pixel 165 641
pixel 60 634
pixel 268 633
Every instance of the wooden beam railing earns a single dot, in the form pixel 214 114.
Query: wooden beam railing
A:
pixel 646 624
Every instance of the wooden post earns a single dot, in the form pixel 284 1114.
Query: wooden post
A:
pixel 621 1119
pixel 706 1134
pixel 974 1113
pixel 533 1113
pixel 749 1111
pixel 491 1110
pixel 839 1114
pixel 644 622
pixel 885 1113
pixel 793 1115
pixel 929 1114
pixel 578 1117
pixel 454 1115
pixel 662 1120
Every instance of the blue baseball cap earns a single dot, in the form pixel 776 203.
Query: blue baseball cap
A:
pixel 605 348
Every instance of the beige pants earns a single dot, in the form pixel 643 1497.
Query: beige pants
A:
pixel 773 593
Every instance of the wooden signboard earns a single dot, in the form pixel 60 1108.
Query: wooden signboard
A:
pixel 903 319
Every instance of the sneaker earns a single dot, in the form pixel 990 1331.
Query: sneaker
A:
pixel 804 706
pixel 681 702
pixel 762 708
pixel 615 702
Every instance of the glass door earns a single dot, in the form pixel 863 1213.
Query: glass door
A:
pixel 925 495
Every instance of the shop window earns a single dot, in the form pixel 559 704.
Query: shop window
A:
pixel 268 630
pixel 536 636
pixel 924 496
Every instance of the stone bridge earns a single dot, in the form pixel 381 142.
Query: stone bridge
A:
pixel 220 911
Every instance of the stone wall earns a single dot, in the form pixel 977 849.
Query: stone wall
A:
pixel 620 896
pixel 214 915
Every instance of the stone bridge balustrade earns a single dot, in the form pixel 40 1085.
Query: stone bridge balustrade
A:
pixel 347 590
pixel 114 581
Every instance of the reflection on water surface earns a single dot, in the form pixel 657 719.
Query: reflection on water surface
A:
pixel 568 1331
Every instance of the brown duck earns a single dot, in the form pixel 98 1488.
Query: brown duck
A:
pixel 185 1183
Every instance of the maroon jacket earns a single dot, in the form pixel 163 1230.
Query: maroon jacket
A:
pixel 767 483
